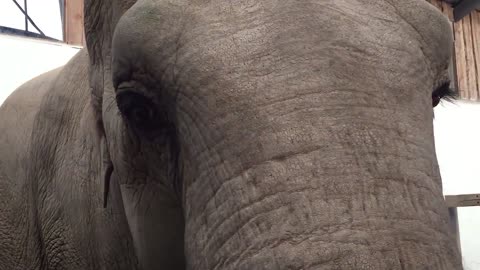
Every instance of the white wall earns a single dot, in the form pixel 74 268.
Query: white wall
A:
pixel 23 58
pixel 457 130
pixel 457 140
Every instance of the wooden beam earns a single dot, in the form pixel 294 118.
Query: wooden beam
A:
pixel 462 200
pixel 74 33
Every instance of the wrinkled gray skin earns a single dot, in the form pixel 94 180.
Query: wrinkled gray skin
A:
pixel 283 135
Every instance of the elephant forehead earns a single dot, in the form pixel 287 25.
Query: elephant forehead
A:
pixel 259 38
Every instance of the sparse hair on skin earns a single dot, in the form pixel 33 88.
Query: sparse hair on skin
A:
pixel 444 92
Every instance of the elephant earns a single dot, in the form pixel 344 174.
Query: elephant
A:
pixel 210 134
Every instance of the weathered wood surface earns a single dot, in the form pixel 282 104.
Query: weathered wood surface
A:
pixel 467 51
pixel 74 31
pixel 462 200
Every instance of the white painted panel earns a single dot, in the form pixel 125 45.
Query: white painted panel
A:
pixel 23 58
pixel 457 141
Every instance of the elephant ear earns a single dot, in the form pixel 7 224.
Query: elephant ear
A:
pixel 101 18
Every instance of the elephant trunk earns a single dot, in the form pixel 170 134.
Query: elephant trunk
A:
pixel 321 188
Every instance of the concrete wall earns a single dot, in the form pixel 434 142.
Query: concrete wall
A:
pixel 457 130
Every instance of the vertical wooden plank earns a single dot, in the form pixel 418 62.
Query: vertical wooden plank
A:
pixel 466 51
pixel 476 47
pixel 74 33
pixel 447 10
pixel 436 3
pixel 460 59
pixel 471 83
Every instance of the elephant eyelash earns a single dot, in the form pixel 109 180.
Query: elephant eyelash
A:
pixel 443 92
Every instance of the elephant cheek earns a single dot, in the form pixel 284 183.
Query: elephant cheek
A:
pixel 357 200
pixel 156 225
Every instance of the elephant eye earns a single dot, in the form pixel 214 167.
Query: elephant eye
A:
pixel 137 109
pixel 141 115
pixel 443 92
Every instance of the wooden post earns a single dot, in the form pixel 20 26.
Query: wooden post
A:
pixel 467 50
pixel 74 32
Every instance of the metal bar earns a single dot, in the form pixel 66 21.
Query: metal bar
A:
pixel 19 32
pixel 29 19
pixel 464 8
pixel 26 11
pixel 454 228
pixel 61 4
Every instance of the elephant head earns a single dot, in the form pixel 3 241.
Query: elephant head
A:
pixel 274 134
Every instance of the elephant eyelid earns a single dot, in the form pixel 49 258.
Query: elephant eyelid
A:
pixel 141 114
pixel 125 83
pixel 135 107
